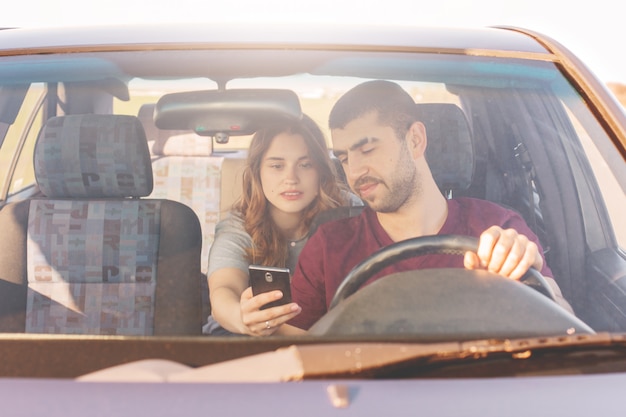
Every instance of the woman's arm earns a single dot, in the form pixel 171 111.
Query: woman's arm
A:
pixel 234 307
pixel 225 288
pixel 228 275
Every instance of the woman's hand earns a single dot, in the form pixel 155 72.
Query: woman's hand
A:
pixel 266 322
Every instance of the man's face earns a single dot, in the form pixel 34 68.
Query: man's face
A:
pixel 378 165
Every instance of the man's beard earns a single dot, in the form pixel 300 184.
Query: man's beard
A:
pixel 404 185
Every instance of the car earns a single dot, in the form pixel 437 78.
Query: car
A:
pixel 159 118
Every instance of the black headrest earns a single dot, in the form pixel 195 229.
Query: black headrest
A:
pixel 450 152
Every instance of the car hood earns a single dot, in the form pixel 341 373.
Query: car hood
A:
pixel 369 360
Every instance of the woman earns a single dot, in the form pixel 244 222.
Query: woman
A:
pixel 288 179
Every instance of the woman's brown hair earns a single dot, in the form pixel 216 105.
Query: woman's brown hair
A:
pixel 269 246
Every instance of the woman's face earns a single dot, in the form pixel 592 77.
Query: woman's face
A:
pixel 289 178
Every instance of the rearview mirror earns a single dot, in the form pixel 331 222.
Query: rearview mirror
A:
pixel 226 112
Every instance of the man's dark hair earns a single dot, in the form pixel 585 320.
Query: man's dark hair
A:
pixel 394 106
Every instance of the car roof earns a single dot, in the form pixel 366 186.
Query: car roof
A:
pixel 25 40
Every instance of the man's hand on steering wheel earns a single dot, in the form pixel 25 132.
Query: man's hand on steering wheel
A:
pixel 504 252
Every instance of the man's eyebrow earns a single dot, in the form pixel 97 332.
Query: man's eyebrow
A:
pixel 355 146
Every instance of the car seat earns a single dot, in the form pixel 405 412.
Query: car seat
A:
pixel 91 256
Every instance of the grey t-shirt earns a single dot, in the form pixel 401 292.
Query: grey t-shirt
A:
pixel 231 241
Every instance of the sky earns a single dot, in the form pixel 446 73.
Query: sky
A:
pixel 594 31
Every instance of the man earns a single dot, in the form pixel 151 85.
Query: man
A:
pixel 381 145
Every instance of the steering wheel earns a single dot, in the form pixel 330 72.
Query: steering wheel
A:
pixel 443 304
pixel 437 244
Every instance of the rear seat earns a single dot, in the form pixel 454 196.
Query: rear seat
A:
pixel 186 170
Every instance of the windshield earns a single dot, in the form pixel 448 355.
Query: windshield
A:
pixel 528 142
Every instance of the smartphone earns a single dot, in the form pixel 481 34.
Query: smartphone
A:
pixel 269 278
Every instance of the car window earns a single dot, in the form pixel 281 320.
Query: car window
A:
pixel 536 147
pixel 17 150
pixel 24 175
pixel 601 156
